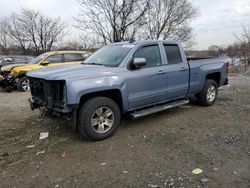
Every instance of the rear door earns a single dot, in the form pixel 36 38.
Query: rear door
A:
pixel 177 72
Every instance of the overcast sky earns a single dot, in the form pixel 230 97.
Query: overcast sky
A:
pixel 217 22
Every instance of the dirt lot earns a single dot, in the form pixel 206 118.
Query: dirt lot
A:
pixel 160 150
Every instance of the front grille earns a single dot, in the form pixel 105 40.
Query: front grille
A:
pixel 49 94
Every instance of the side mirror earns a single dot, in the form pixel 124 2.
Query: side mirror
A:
pixel 138 62
pixel 45 62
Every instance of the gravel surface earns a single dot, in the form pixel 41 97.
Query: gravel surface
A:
pixel 160 150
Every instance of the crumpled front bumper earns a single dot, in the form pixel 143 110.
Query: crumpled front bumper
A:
pixel 7 82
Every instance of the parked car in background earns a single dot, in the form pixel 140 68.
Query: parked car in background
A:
pixel 136 78
pixel 15 76
pixel 14 59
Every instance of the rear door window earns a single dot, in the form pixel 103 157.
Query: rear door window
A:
pixel 173 54
pixel 72 57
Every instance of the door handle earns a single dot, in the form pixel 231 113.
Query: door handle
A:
pixel 183 69
pixel 161 72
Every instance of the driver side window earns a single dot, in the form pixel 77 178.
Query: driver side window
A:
pixel 151 54
pixel 55 59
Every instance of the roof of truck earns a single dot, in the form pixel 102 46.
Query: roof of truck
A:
pixel 135 42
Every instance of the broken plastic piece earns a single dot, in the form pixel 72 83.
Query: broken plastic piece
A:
pixel 197 171
pixel 43 135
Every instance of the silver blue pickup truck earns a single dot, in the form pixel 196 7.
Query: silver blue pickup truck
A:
pixel 135 78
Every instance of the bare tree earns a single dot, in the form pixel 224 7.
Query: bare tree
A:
pixel 5 40
pixel 215 50
pixel 112 20
pixel 244 36
pixel 169 19
pixel 244 44
pixel 31 30
pixel 42 31
pixel 17 33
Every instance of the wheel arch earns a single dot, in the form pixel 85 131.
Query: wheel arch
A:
pixel 216 76
pixel 114 94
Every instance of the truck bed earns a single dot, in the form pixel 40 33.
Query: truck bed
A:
pixel 200 68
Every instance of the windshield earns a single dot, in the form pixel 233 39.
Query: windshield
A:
pixel 37 59
pixel 111 55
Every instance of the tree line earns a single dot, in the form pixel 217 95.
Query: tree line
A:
pixel 239 49
pixel 30 32
pixel 101 22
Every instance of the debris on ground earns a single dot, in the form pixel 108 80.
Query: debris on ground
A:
pixel 63 155
pixel 4 154
pixel 124 172
pixel 40 152
pixel 30 146
pixel 43 135
pixel 103 164
pixel 15 163
pixel 197 171
pixel 153 185
pixel 204 180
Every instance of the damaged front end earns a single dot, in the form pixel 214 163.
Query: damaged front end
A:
pixel 51 96
pixel 7 81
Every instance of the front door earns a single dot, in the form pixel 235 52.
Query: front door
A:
pixel 146 85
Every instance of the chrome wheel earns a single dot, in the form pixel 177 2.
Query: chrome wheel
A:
pixel 102 120
pixel 211 93
pixel 26 85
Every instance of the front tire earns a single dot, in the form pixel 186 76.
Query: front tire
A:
pixel 23 84
pixel 208 95
pixel 98 118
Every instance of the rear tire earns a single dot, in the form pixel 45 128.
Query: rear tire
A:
pixel 208 95
pixel 98 118
pixel 23 84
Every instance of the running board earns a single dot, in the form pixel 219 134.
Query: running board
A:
pixel 156 109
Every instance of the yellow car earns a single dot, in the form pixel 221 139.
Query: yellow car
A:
pixel 17 74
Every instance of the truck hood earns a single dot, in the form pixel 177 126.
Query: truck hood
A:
pixel 7 68
pixel 73 72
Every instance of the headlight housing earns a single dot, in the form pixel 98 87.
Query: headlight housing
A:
pixel 10 77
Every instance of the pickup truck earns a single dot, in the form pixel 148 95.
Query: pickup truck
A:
pixel 135 78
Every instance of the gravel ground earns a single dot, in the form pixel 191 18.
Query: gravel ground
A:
pixel 160 150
